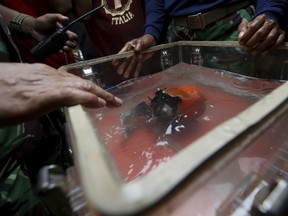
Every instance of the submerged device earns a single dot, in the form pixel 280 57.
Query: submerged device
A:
pixel 56 40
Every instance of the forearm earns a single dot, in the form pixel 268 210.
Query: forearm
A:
pixel 155 18
pixel 10 15
pixel 274 9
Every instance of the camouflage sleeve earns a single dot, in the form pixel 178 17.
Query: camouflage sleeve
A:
pixel 16 194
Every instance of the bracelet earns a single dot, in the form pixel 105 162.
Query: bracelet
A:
pixel 16 23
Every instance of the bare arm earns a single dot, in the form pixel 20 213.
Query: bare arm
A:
pixel 39 27
pixel 28 91
pixel 7 14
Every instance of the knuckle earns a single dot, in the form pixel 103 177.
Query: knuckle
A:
pixel 270 37
pixel 109 97
pixel 261 33
pixel 44 68
pixel 253 26
pixel 87 85
pixel 65 93
pixel 270 22
pixel 262 16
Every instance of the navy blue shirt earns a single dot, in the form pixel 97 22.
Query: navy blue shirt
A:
pixel 157 9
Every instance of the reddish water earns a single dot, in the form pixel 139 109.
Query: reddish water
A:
pixel 146 147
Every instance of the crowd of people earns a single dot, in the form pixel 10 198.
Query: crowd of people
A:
pixel 29 92
pixel 30 89
pixel 259 26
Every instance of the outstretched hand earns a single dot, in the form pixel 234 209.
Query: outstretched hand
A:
pixel 261 35
pixel 29 91
pixel 132 65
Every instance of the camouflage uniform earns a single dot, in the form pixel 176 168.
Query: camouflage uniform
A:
pixel 222 30
pixel 24 148
pixel 16 193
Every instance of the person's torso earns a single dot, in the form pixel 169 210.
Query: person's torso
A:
pixel 118 22
pixel 185 7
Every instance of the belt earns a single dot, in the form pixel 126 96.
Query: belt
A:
pixel 201 20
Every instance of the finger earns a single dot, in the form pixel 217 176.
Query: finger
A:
pixel 72 36
pixel 138 47
pixel 91 87
pixel 269 40
pixel 241 29
pixel 121 68
pixel 280 40
pixel 138 69
pixel 130 67
pixel 127 47
pixel 59 25
pixel 252 28
pixel 130 46
pixel 269 30
pixel 86 99
pixel 71 44
pixel 116 62
pixel 60 19
pixel 65 49
pixel 243 26
pixel 73 96
pixel 53 19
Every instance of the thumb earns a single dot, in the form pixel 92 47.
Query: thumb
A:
pixel 56 18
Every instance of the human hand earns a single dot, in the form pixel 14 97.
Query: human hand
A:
pixel 41 27
pixel 132 65
pixel 261 35
pixel 29 91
